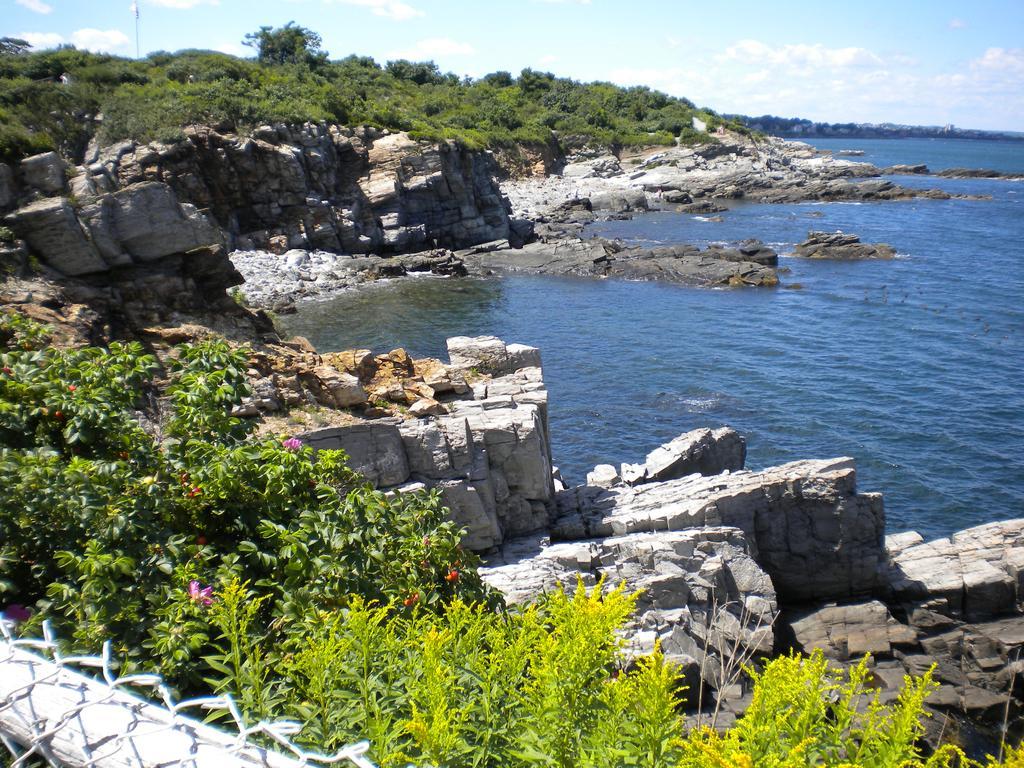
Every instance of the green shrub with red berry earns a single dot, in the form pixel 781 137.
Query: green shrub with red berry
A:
pixel 119 493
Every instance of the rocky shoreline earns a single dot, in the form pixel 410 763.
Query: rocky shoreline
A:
pixel 730 560
pixel 310 210
pixel 551 210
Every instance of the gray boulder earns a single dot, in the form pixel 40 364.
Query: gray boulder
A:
pixel 44 173
pixel 53 232
pixel 604 476
pixel 807 526
pixel 702 452
pixel 490 355
pixel 619 201
pixel 839 245
pixel 138 224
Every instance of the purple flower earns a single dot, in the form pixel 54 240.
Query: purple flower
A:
pixel 292 444
pixel 200 594
pixel 16 613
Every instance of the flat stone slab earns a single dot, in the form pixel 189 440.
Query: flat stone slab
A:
pixel 805 523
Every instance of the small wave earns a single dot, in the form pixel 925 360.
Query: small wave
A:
pixel 702 404
pixel 696 403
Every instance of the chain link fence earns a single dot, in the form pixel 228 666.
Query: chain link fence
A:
pixel 51 712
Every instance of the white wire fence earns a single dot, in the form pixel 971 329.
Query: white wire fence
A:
pixel 51 712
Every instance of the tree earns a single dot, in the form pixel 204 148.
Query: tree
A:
pixel 499 79
pixel 419 72
pixel 289 44
pixel 13 46
pixel 532 81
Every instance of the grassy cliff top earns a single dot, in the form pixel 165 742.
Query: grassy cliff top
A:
pixel 52 100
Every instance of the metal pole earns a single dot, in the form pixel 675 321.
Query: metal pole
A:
pixel 135 8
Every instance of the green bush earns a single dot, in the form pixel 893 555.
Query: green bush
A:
pixel 155 98
pixel 104 522
pixel 468 686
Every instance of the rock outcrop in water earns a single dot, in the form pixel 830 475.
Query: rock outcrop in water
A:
pixel 684 264
pixel 766 170
pixel 733 561
pixel 841 246
pixel 730 561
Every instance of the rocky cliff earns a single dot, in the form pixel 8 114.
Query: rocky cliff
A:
pixel 149 225
pixel 733 564
pixel 317 186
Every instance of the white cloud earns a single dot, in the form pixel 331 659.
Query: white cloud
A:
pixel 433 48
pixel 36 5
pixel 41 40
pixel 1001 59
pixel 801 55
pixel 181 4
pixel 102 40
pixel 957 24
pixel 391 9
pixel 844 84
pixel 548 59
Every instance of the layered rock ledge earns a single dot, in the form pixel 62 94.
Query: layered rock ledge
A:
pixel 841 246
pixel 731 562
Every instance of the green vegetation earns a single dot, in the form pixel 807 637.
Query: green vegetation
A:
pixel 105 524
pixel 292 81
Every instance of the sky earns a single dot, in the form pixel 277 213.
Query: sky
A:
pixel 919 62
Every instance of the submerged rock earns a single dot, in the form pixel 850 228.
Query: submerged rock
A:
pixel 683 264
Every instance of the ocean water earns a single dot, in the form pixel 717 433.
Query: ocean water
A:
pixel 938 154
pixel 912 366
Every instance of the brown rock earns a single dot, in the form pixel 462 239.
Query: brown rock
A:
pixel 358 362
pixel 278 244
pixel 426 406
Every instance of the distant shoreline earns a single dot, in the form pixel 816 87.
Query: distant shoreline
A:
pixel 798 128
pixel 789 136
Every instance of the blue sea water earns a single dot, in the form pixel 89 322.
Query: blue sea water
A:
pixel 912 366
pixel 938 154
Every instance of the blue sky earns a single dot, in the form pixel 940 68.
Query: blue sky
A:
pixel 908 61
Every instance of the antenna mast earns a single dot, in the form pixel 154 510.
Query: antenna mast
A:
pixel 135 10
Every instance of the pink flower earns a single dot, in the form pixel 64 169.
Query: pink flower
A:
pixel 292 444
pixel 200 594
pixel 16 613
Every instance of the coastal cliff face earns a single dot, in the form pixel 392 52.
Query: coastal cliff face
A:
pixel 319 186
pixel 730 561
pixel 133 211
